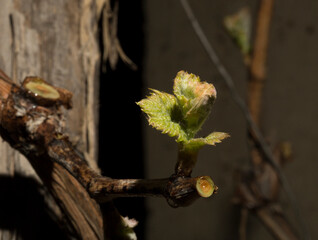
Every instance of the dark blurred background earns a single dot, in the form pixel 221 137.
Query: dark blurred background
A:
pixel 158 37
pixel 160 40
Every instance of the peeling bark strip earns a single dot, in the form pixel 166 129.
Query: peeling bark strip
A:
pixel 37 132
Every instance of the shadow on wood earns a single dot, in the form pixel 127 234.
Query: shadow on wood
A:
pixel 23 209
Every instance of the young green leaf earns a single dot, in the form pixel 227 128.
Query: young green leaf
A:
pixel 196 143
pixel 160 108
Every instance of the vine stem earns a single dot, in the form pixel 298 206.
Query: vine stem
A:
pixel 258 63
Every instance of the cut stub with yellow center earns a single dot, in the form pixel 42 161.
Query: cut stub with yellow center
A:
pixel 45 94
pixel 40 88
pixel 205 186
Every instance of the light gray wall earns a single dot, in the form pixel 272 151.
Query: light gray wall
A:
pixel 289 111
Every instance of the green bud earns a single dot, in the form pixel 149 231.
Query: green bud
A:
pixel 195 100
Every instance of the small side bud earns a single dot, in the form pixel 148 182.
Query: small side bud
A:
pixel 238 26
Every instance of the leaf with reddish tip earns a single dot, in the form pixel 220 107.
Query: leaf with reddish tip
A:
pixel 195 100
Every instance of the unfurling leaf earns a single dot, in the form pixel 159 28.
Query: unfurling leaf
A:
pixel 181 115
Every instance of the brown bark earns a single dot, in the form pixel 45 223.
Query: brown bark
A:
pixel 30 128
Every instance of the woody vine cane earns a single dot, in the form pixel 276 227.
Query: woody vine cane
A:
pixel 32 122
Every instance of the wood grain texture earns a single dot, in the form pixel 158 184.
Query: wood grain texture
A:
pixel 57 41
